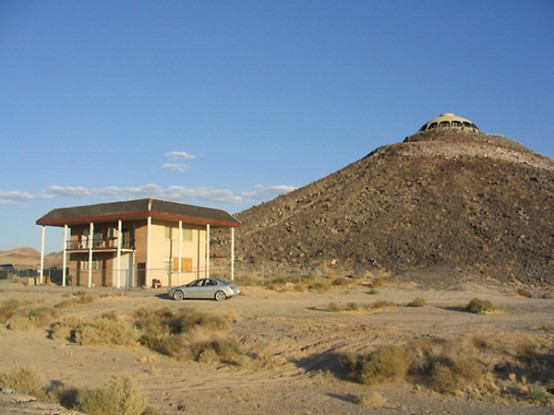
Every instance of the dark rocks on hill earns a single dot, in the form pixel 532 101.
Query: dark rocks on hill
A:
pixel 465 202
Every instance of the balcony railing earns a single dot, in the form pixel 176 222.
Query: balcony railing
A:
pixel 100 243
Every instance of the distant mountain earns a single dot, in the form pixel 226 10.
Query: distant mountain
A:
pixel 24 258
pixel 443 200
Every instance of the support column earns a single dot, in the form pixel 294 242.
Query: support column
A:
pixel 64 270
pixel 148 248
pixel 232 254
pixel 208 250
pixel 180 266
pixel 90 243
pixel 118 264
pixel 42 243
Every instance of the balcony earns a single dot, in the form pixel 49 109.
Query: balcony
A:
pixel 99 244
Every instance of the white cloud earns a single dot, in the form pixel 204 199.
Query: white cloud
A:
pixel 56 192
pixel 261 192
pixel 175 167
pixel 179 155
pixel 14 197
pixel 171 193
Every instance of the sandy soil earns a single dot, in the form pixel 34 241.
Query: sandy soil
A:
pixel 291 330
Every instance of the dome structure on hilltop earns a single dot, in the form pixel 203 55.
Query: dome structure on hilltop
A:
pixel 450 121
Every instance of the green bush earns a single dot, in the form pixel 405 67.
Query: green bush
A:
pixel 540 396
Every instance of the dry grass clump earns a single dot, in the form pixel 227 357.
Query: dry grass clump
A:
pixel 104 330
pixel 319 286
pixel 524 293
pixel 417 302
pixel 448 366
pixel 386 364
pixel 371 399
pixel 7 309
pixel 31 319
pixel 23 380
pixel 120 396
pixel 78 298
pixel 187 334
pixel 452 371
pixel 479 306
pixel 383 304
pixel 339 307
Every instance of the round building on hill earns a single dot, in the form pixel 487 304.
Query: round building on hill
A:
pixel 450 121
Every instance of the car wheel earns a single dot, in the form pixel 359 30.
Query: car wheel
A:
pixel 220 296
pixel 178 295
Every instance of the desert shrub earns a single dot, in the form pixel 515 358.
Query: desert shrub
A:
pixel 339 307
pixel 31 319
pixel 418 302
pixel 340 281
pixel 65 329
pixel 548 295
pixel 23 380
pixel 371 399
pixel 373 291
pixel 7 309
pixel 215 351
pixel 103 331
pixel 120 396
pixel 169 333
pixel 451 372
pixel 388 363
pixel 383 304
pixel 525 293
pixel 319 286
pixel 479 306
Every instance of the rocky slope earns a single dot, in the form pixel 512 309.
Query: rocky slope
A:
pixel 443 201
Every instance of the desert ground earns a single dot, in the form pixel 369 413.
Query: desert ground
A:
pixel 293 342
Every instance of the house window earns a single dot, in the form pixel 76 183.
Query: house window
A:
pixel 187 234
pixel 173 233
pixel 94 267
pixel 186 264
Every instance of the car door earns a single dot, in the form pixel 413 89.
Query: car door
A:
pixel 210 287
pixel 194 289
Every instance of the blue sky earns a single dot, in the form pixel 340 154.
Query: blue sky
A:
pixel 230 103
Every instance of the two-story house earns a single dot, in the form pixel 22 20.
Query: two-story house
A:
pixel 132 243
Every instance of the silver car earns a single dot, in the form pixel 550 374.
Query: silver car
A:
pixel 214 288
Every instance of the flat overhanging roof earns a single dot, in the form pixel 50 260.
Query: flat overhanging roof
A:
pixel 136 210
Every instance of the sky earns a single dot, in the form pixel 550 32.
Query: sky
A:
pixel 228 104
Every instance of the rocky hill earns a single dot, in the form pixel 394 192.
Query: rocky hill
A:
pixel 444 202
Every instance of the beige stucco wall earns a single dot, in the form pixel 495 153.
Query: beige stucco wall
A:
pixel 163 253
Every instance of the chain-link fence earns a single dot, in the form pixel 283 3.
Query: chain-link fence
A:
pixel 261 273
